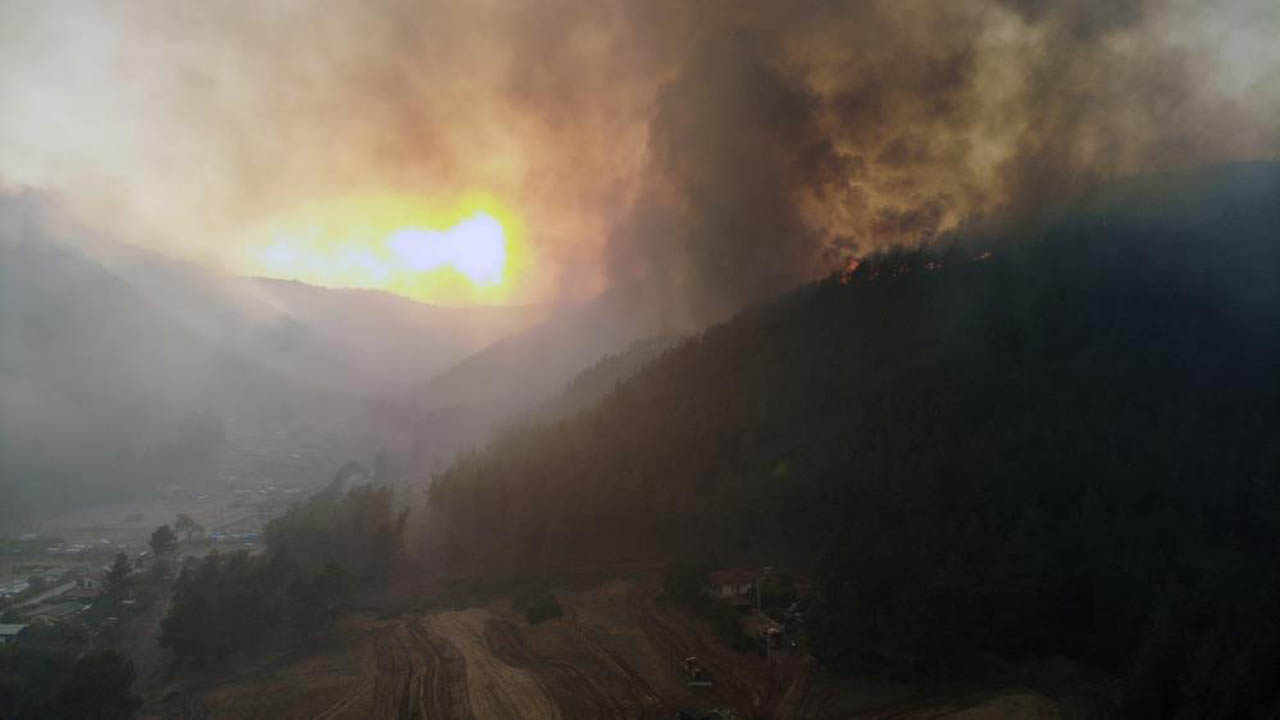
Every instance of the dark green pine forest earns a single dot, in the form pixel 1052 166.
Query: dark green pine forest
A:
pixel 1060 440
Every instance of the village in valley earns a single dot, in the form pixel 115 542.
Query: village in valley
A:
pixel 57 575
pixel 671 654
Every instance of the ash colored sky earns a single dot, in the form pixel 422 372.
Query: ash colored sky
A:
pixel 722 149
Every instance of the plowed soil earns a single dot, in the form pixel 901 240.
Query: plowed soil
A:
pixel 616 653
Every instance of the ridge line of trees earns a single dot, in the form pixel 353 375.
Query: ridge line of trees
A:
pixel 1058 445
pixel 337 542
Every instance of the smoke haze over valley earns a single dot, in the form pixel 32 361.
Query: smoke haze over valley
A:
pixel 639 359
pixel 723 151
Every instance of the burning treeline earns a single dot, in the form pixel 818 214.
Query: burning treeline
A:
pixel 791 135
pixel 723 149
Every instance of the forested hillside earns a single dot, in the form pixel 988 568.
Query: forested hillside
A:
pixel 592 384
pixel 522 375
pixel 1057 442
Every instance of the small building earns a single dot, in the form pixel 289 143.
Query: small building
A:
pixel 86 588
pixel 10 633
pixel 732 583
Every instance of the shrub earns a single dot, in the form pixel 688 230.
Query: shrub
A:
pixel 538 605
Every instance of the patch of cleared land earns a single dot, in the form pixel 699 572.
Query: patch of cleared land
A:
pixel 615 653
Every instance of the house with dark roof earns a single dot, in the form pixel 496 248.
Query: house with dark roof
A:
pixel 732 583
pixel 10 632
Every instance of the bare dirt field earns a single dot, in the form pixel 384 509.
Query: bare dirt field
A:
pixel 615 653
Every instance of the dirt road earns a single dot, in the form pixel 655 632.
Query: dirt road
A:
pixel 479 663
pixel 495 689
pixel 615 654
pixel 439 667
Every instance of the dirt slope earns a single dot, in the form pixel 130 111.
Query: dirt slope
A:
pixel 496 690
pixel 615 654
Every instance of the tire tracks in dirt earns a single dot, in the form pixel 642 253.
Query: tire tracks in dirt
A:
pixel 361 689
pixel 393 668
pixel 417 676
pixel 577 694
pixel 496 689
pixel 442 690
pixel 637 680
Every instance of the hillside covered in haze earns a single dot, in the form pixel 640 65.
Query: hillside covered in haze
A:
pixel 562 363
pixel 122 370
pixel 1058 443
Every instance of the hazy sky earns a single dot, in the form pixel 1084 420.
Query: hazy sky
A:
pixel 727 148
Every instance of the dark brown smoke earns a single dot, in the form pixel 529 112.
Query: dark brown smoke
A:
pixel 717 150
pixel 797 134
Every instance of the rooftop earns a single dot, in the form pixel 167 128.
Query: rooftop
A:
pixel 732 576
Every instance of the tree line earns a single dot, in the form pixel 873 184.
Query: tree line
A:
pixel 53 674
pixel 318 553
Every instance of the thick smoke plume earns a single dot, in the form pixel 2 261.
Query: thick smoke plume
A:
pixel 710 152
pixel 795 134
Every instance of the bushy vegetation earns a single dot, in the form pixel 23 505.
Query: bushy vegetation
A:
pixel 603 376
pixel 684 582
pixel 538 605
pixel 777 592
pixel 227 604
pixel 1060 444
pixel 51 675
pixel 359 529
pixel 317 553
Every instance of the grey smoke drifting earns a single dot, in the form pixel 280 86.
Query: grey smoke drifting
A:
pixel 715 151
pixel 795 134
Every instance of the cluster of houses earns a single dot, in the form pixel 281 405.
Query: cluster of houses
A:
pixel 67 596
pixel 102 546
pixel 61 595
pixel 735 586
pixel 741 588
pixel 58 595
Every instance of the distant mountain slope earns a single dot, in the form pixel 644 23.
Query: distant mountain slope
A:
pixel 122 369
pixel 390 338
pixel 364 341
pixel 1057 444
pixel 101 394
pixel 597 381
pixel 461 407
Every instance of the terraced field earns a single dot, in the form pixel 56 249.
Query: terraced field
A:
pixel 615 655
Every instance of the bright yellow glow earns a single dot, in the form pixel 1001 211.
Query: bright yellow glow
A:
pixel 470 251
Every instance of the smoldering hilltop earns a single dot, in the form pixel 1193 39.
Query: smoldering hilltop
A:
pixel 672 161
pixel 723 150
pixel 792 137
pixel 691 159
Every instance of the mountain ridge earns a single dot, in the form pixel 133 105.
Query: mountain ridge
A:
pixel 1055 443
